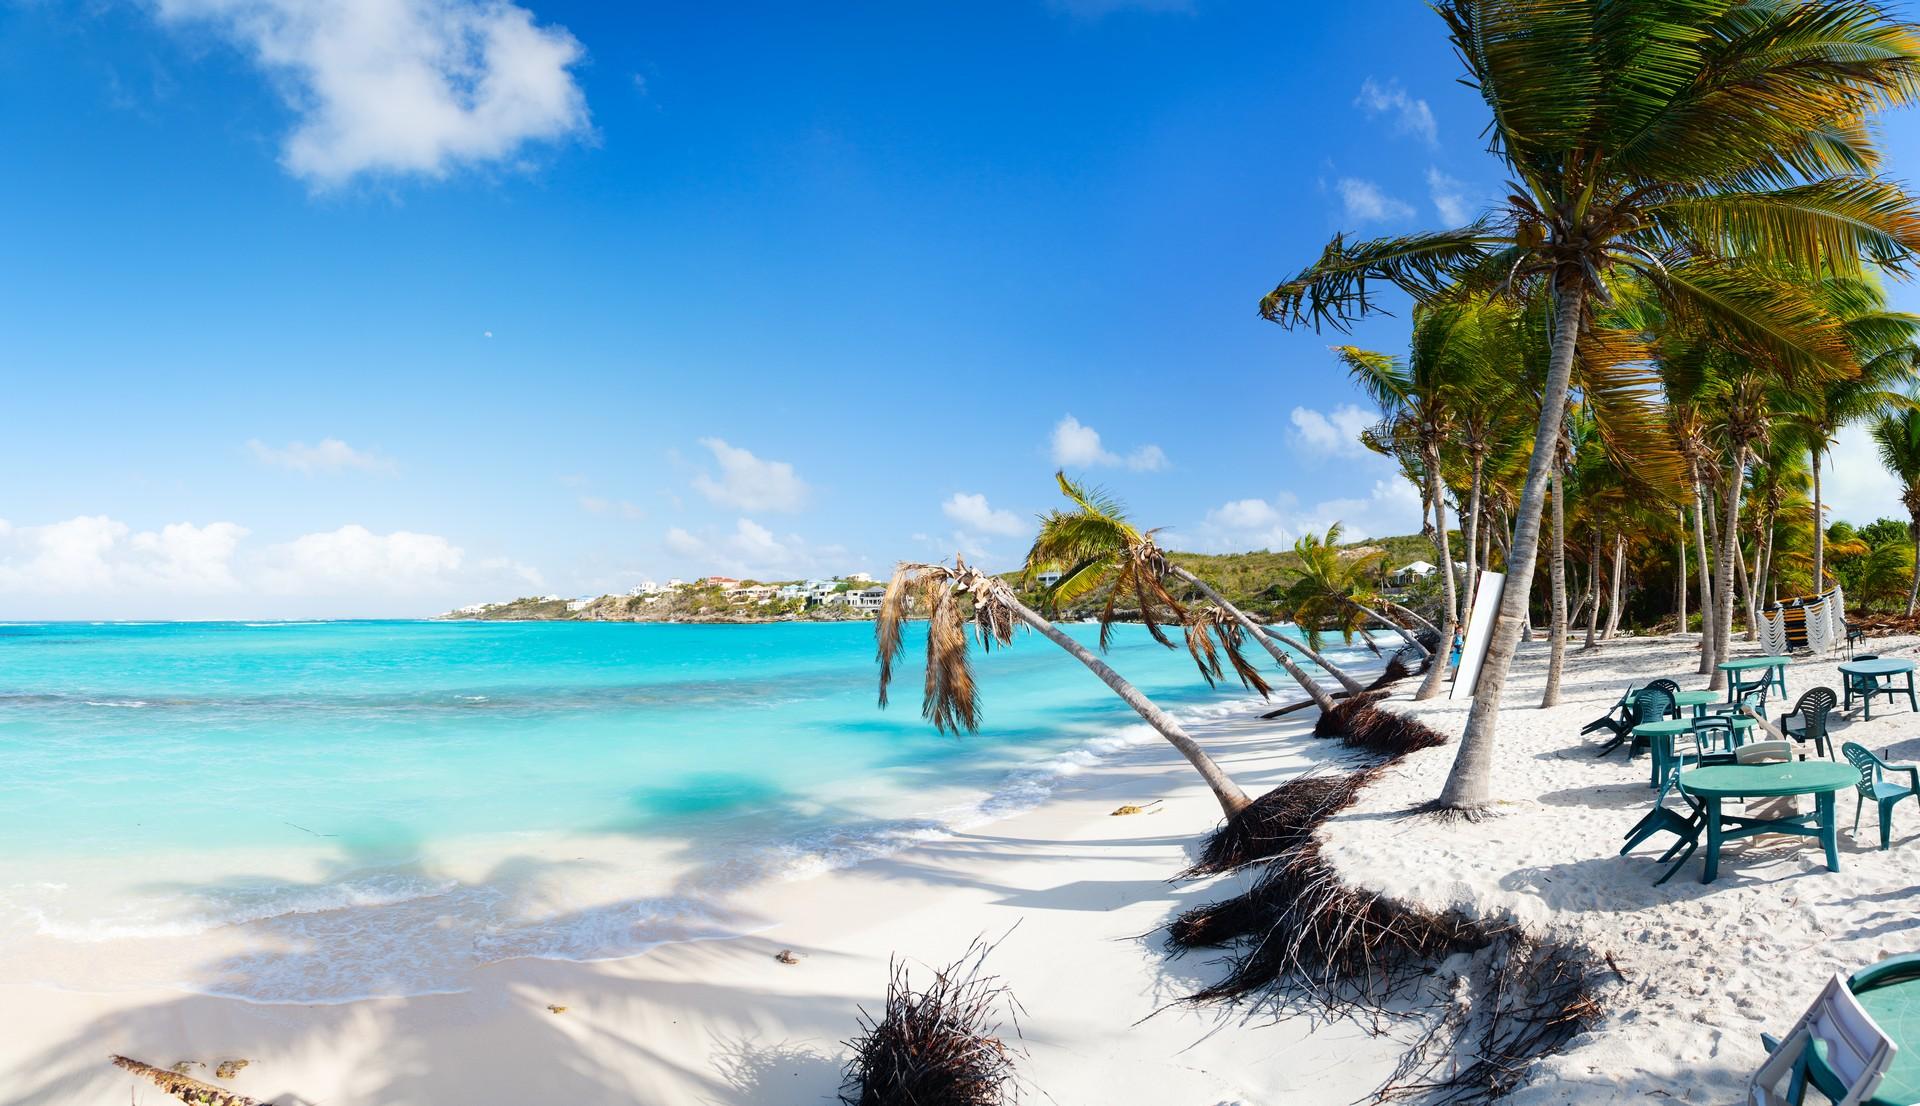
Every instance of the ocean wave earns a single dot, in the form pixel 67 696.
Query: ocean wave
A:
pixel 222 908
pixel 129 703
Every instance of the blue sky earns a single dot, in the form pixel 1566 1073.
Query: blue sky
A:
pixel 315 313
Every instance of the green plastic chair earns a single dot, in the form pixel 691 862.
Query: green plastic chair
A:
pixel 1685 827
pixel 1875 785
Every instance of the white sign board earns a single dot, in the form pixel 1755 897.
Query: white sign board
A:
pixel 1473 649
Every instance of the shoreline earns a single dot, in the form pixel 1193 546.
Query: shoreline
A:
pixel 1069 886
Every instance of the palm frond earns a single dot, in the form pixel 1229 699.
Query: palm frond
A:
pixel 1334 291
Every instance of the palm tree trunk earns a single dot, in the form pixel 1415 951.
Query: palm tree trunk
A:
pixel 1470 533
pixel 1819 531
pixel 1593 585
pixel 1746 582
pixel 1707 657
pixel 1680 577
pixel 1913 589
pixel 1232 799
pixel 1617 574
pixel 1557 610
pixel 1307 683
pixel 1470 783
pixel 1389 624
pixel 1729 538
pixel 1764 584
pixel 1424 622
pixel 1437 671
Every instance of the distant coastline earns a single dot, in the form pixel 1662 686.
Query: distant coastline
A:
pixel 716 599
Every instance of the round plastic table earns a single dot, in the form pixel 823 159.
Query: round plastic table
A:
pixel 1877 676
pixel 1819 778
pixel 1696 700
pixel 1890 992
pixel 1776 671
pixel 1660 737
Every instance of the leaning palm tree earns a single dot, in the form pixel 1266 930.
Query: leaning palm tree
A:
pixel 1898 438
pixel 1667 143
pixel 1094 546
pixel 953 596
pixel 1335 589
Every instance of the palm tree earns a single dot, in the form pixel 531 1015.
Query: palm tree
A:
pixel 1094 545
pixel 1882 343
pixel 1653 143
pixel 1423 401
pixel 950 699
pixel 1898 437
pixel 1334 588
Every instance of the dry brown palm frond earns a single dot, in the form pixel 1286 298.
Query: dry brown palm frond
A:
pixel 949 703
pixel 949 699
pixel 184 1088
pixel 887 627
pixel 1207 625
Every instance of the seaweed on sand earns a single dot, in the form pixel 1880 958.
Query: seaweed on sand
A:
pixel 938 1046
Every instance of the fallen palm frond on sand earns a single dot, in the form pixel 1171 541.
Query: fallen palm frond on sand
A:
pixel 1536 997
pixel 184 1088
pixel 1302 934
pixel 1359 723
pixel 1282 819
pixel 940 1046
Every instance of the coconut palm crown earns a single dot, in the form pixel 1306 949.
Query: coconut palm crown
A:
pixel 1094 545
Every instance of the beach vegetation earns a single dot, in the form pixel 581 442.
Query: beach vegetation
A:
pixel 1687 178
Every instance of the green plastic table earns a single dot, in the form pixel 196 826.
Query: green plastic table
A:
pixel 1890 993
pixel 1698 700
pixel 1776 671
pixel 1879 671
pixel 1660 737
pixel 1819 778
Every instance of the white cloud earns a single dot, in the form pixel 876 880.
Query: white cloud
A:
pixel 331 455
pixel 593 504
pixel 749 483
pixel 525 573
pixel 194 557
pixel 1365 202
pixel 1854 483
pixel 1334 433
pixel 94 566
pixel 403 87
pixel 753 551
pixel 683 543
pixel 401 561
pixel 1076 445
pixel 1391 507
pixel 1449 197
pixel 973 512
pixel 1410 115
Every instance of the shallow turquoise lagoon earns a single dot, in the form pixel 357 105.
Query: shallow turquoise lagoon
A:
pixel 240 806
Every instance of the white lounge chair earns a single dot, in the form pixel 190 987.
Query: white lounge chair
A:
pixel 1835 1046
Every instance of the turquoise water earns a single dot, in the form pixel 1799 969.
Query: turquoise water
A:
pixel 325 811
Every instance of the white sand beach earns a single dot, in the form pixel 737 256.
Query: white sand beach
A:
pixel 1070 890
pixel 1708 966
